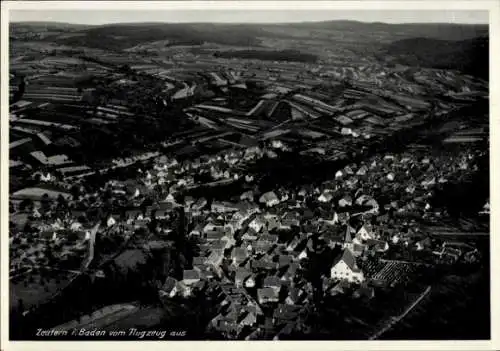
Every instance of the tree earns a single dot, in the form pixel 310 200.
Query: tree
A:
pixel 26 205
pixel 75 191
pixel 61 202
pixel 46 202
pixel 20 304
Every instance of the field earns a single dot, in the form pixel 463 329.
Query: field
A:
pixel 457 308
pixel 390 272
pixel 19 219
pixel 33 293
pixel 37 193
pixel 357 319
pixel 142 318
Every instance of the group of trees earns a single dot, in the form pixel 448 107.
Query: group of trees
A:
pixel 470 56
pixel 265 55
pixel 20 91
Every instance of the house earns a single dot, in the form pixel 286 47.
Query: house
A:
pixel 207 272
pixel 222 207
pixel 290 219
pixel 295 296
pixel 188 201
pixel 363 234
pixel 362 199
pixel 170 198
pixel 269 199
pixel 250 235
pixel 358 249
pixel 290 273
pixel 190 276
pixel 395 238
pixel 429 181
pixel 362 170
pixel 237 220
pixel 111 221
pixel 266 295
pixel 248 316
pixel 423 244
pixel 133 213
pixel 271 238
pixel 285 313
pixel 285 332
pixel 346 131
pixel 199 204
pixel 196 232
pixel 183 289
pixel 199 261
pixel 345 268
pixel 349 169
pixel 250 282
pixel 339 287
pixel 373 205
pixel 284 261
pixel 36 214
pixel 163 209
pixel 273 282
pixel 325 197
pixel 239 255
pixel 486 208
pixel 451 254
pixel 257 224
pixel 263 263
pixel 272 222
pixel 213 232
pixel 333 221
pixel 345 201
pixel 364 292
pixel 48 235
pixel 377 245
pixel 343 217
pixel 228 241
pixel 46 178
pixel 349 231
pixel 293 244
pixel 332 236
pixel 169 288
pixel 215 258
pixel 247 195
pixel 241 276
pixel 262 246
pixel 302 255
pixel 351 183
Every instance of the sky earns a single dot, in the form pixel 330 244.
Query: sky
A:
pixel 96 17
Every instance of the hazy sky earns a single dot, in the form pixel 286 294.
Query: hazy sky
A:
pixel 248 16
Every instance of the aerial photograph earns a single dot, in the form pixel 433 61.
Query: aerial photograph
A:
pixel 248 175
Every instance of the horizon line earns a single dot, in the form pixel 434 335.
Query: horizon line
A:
pixel 257 23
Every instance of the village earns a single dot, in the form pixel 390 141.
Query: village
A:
pixel 234 198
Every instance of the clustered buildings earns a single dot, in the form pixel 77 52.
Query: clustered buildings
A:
pixel 254 246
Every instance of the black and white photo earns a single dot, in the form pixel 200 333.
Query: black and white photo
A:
pixel 248 174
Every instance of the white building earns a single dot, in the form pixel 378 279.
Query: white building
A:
pixel 345 268
pixel 111 221
pixel 270 199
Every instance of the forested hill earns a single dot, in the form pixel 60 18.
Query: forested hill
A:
pixel 123 35
pixel 470 56
pixel 435 45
